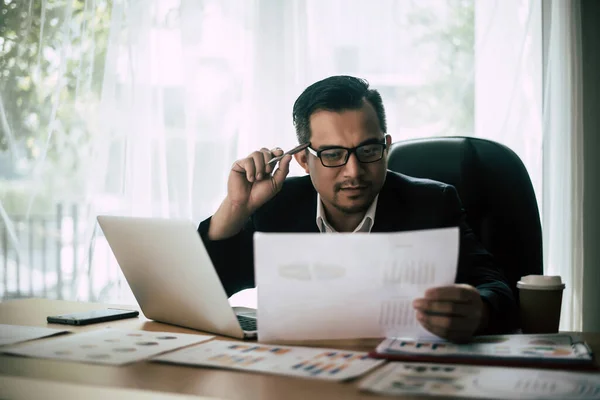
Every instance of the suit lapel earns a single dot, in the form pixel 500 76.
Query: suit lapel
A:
pixel 391 214
pixel 306 217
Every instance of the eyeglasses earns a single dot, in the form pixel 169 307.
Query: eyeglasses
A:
pixel 332 157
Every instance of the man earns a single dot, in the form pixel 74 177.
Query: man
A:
pixel 349 189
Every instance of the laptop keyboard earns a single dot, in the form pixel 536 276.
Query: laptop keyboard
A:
pixel 247 323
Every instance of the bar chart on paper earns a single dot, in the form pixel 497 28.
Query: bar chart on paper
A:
pixel 248 355
pixel 405 275
pixel 258 349
pixel 397 312
pixel 331 363
pixel 409 272
pixel 281 360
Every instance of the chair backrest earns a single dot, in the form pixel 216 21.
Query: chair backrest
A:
pixel 495 190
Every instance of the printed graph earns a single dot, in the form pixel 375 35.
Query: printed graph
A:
pixel 425 346
pixel 320 368
pixel 337 355
pixel 481 382
pixel 409 272
pixel 228 360
pixel 328 363
pixel 259 349
pixel 397 312
pixel 547 350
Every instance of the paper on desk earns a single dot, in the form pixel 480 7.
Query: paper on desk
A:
pixel 108 346
pixel 533 347
pixel 461 381
pixel 11 334
pixel 348 286
pixel 306 362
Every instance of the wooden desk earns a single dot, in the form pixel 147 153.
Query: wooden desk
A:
pixel 222 384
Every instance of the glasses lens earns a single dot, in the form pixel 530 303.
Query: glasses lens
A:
pixel 333 157
pixel 369 152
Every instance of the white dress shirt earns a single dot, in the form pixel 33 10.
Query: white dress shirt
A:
pixel 365 225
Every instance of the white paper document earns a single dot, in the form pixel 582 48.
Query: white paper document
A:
pixel 461 381
pixel 108 346
pixel 306 362
pixel 348 286
pixel 533 347
pixel 12 334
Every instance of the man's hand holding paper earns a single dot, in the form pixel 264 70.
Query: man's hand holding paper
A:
pixel 455 312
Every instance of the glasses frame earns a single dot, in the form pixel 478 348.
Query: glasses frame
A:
pixel 350 151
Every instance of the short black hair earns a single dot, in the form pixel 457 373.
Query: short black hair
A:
pixel 336 93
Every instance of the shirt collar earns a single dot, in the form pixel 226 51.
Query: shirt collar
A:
pixel 365 225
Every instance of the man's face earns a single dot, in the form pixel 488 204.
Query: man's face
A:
pixel 352 187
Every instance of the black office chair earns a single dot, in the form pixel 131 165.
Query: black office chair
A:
pixel 495 190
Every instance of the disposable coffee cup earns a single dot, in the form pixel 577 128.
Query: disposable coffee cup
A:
pixel 540 300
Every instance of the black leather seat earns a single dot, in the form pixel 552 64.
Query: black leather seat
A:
pixel 495 190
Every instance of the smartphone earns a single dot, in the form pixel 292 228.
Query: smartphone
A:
pixel 92 317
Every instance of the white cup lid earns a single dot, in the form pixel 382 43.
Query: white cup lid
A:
pixel 541 282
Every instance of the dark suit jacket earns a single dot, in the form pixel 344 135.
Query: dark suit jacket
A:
pixel 404 204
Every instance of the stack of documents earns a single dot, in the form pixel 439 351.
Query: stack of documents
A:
pixel 539 350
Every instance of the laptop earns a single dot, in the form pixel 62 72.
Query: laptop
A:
pixel 172 276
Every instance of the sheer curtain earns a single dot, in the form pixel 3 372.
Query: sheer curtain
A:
pixel 140 107
pixel 563 155
pixel 508 80
pixel 528 97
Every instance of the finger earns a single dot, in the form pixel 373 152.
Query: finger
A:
pixel 259 163
pixel 444 307
pixel 276 152
pixel 436 330
pixel 245 167
pixel 457 293
pixel 279 176
pixel 439 322
pixel 268 156
pixel 447 322
pixel 456 336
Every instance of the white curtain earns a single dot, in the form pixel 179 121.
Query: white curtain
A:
pixel 140 107
pixel 508 79
pixel 563 155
